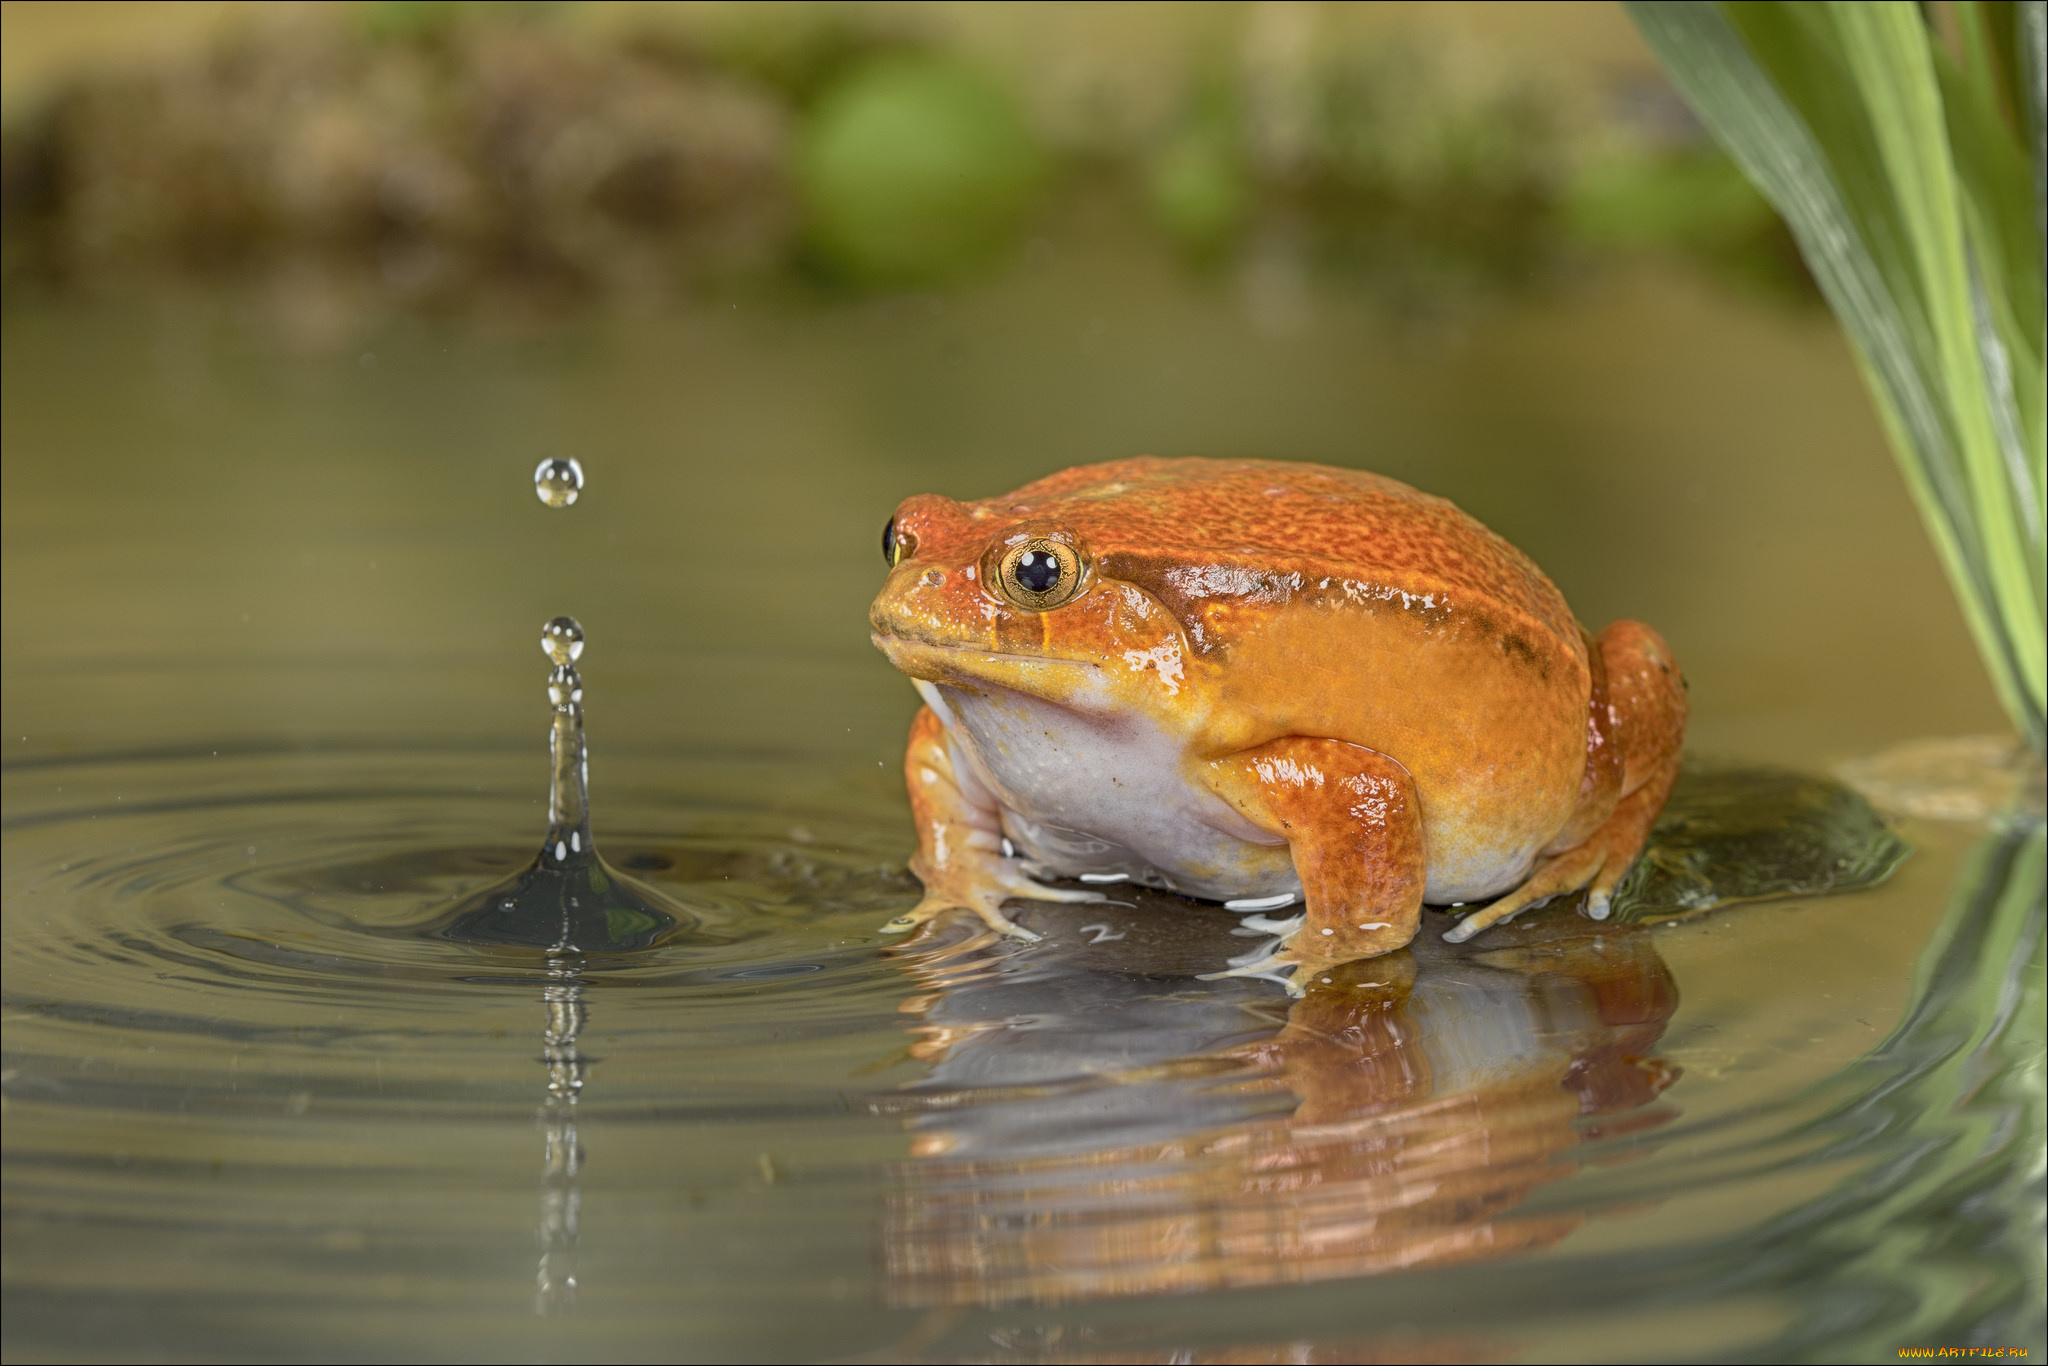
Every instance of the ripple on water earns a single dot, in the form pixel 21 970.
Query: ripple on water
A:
pixel 265 909
pixel 257 1099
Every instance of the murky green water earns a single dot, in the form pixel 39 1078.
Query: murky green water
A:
pixel 271 703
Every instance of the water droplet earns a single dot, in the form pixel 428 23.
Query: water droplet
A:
pixel 557 480
pixel 562 639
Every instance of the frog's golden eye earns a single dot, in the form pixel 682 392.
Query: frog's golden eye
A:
pixel 897 546
pixel 1040 574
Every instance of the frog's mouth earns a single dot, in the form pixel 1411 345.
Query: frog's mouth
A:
pixel 1069 681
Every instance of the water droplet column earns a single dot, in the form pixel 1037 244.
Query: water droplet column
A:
pixel 569 841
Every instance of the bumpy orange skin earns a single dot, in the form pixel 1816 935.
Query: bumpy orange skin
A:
pixel 1441 712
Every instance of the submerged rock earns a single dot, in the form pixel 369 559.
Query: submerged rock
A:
pixel 1756 834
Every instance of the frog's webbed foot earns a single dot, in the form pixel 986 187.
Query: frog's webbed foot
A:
pixel 1554 877
pixel 1280 965
pixel 933 906
pixel 1275 960
pixel 982 887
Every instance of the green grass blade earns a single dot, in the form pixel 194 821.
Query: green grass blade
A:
pixel 2031 21
pixel 1909 196
pixel 1889 56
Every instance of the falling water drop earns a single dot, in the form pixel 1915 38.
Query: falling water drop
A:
pixel 557 481
pixel 562 640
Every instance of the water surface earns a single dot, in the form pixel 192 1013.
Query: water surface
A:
pixel 272 705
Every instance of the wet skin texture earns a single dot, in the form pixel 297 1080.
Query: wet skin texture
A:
pixel 1254 681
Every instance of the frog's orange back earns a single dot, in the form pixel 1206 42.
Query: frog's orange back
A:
pixel 1331 527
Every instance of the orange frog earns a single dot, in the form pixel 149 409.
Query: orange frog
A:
pixel 1263 683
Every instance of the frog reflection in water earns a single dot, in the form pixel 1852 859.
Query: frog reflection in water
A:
pixel 1262 683
pixel 1099 1123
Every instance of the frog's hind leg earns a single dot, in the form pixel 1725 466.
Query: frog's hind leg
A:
pixel 1646 706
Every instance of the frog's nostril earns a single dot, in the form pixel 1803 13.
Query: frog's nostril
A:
pixel 933 578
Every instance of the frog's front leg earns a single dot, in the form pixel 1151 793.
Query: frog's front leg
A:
pixel 960 856
pixel 1353 827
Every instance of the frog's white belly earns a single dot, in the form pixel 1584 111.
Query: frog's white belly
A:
pixel 1097 796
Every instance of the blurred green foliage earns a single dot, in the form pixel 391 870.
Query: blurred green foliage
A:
pixel 433 149
pixel 916 168
pixel 801 53
pixel 1376 160
pixel 403 20
pixel 1197 183
pixel 1697 197
pixel 1691 200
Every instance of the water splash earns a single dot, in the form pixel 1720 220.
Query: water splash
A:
pixel 568 900
pixel 557 481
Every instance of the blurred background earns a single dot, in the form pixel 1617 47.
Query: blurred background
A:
pixel 430 153
pixel 297 293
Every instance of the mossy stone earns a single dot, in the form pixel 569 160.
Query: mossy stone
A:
pixel 1755 834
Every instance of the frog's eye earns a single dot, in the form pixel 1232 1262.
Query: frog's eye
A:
pixel 897 546
pixel 1039 574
